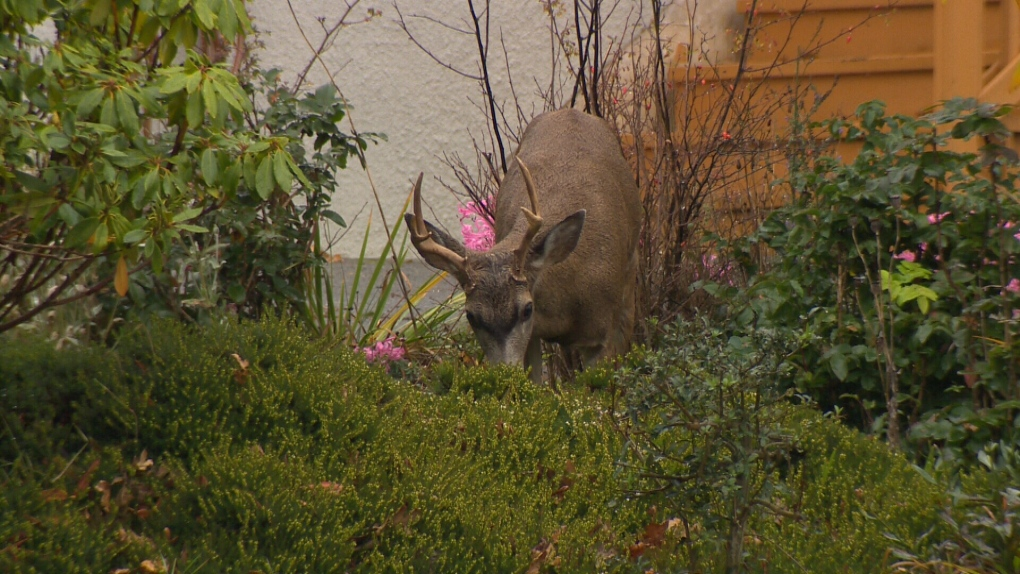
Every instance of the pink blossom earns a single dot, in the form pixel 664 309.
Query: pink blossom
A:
pixel 1013 286
pixel 937 217
pixel 1010 224
pixel 478 232
pixel 383 351
pixel 906 256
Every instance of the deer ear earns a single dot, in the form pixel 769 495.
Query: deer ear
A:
pixel 556 244
pixel 442 238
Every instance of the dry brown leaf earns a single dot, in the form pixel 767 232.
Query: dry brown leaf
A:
pixel 104 487
pixel 54 495
pixel 120 277
pixel 241 374
pixel 86 479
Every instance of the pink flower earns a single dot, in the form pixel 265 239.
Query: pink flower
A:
pixel 937 217
pixel 478 232
pixel 1013 286
pixel 906 256
pixel 383 351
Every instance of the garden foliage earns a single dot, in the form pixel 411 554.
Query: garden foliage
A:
pixel 901 267
pixel 248 448
pixel 134 154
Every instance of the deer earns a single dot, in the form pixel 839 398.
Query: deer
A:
pixel 572 282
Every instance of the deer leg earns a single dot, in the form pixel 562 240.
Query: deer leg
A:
pixel 533 359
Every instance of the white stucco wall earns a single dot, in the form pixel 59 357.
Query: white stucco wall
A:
pixel 424 109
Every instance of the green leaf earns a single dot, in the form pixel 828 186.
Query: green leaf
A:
pixel 209 98
pixel 210 167
pixel 126 113
pixel 89 101
pixel 108 115
pixel 187 214
pixel 923 332
pixel 193 81
pixel 264 178
pixel 194 111
pixel 79 235
pixel 173 81
pixel 135 236
pixel 334 217
pixel 227 20
pixel 282 171
pixel 205 15
pixel 101 238
pixel 69 215
pixel 838 364
pixel 236 293
pixel 191 228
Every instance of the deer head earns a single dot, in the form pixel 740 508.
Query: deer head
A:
pixel 499 304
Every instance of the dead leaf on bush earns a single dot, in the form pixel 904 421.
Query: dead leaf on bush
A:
pixel 542 554
pixel 54 495
pixel 331 487
pixel 143 463
pixel 150 567
pixel 103 487
pixel 86 478
pixel 241 374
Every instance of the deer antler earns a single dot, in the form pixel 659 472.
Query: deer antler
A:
pixel 534 224
pixel 422 240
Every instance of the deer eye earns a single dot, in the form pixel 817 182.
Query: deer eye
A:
pixel 527 311
pixel 472 319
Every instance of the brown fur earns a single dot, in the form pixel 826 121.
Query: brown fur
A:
pixel 585 301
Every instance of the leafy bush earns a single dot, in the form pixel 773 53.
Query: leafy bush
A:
pixel 133 155
pixel 901 266
pixel 747 480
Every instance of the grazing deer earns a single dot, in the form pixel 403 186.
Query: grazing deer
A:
pixel 551 282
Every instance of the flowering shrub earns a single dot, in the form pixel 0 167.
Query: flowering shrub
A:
pixel 479 233
pixel 902 266
pixel 383 351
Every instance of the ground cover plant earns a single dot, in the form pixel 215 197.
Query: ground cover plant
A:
pixel 252 448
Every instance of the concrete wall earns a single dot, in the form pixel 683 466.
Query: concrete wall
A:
pixel 424 109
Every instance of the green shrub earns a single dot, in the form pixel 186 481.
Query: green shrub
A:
pixel 297 456
pixel 901 266
pixel 852 496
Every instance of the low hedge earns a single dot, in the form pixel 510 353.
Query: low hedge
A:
pixel 251 448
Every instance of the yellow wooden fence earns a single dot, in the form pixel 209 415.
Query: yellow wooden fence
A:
pixel 909 53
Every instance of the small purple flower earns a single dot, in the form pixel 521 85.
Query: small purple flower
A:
pixel 478 232
pixel 383 351
pixel 906 256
